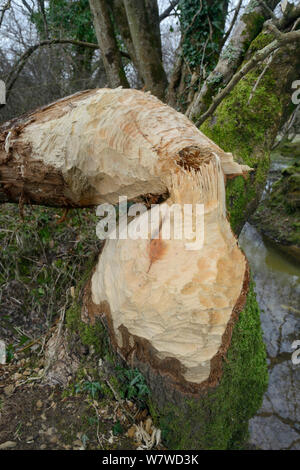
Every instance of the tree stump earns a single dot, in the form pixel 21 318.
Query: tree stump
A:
pixel 179 308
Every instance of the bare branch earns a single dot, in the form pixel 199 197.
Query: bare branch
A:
pixel 28 7
pixel 19 65
pixel 268 10
pixel 259 56
pixel 4 9
pixel 168 10
pixel 236 13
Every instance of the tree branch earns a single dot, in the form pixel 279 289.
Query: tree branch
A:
pixel 19 65
pixel 5 8
pixel 27 6
pixel 231 57
pixel 259 56
pixel 168 10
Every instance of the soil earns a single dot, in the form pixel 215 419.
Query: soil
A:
pixel 38 416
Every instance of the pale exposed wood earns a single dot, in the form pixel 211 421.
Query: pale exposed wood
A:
pixel 179 300
pixel 97 145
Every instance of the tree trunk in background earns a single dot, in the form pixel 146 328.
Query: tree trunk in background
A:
pixel 244 32
pixel 143 20
pixel 202 31
pixel 108 43
pixel 186 318
pixel 120 18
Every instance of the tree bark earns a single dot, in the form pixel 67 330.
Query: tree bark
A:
pixel 108 44
pixel 143 20
pixel 120 18
pixel 247 121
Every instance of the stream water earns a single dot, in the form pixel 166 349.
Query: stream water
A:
pixel 277 278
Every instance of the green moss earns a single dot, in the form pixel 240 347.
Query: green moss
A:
pixel 219 418
pixel 290 149
pixel 245 127
pixel 278 215
pixel 261 41
pixel 90 335
pixel 254 22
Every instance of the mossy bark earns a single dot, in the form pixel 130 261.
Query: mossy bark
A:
pixel 248 120
pixel 143 20
pixel 244 32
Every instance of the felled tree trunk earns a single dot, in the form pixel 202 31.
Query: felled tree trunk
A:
pixel 171 310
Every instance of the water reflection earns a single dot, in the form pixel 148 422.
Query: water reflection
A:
pixel 277 278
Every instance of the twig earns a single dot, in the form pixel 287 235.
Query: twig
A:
pixel 269 61
pixel 236 13
pixel 295 24
pixel 98 423
pixel 117 397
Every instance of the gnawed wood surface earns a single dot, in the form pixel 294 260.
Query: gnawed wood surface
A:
pixel 167 308
pixel 174 302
